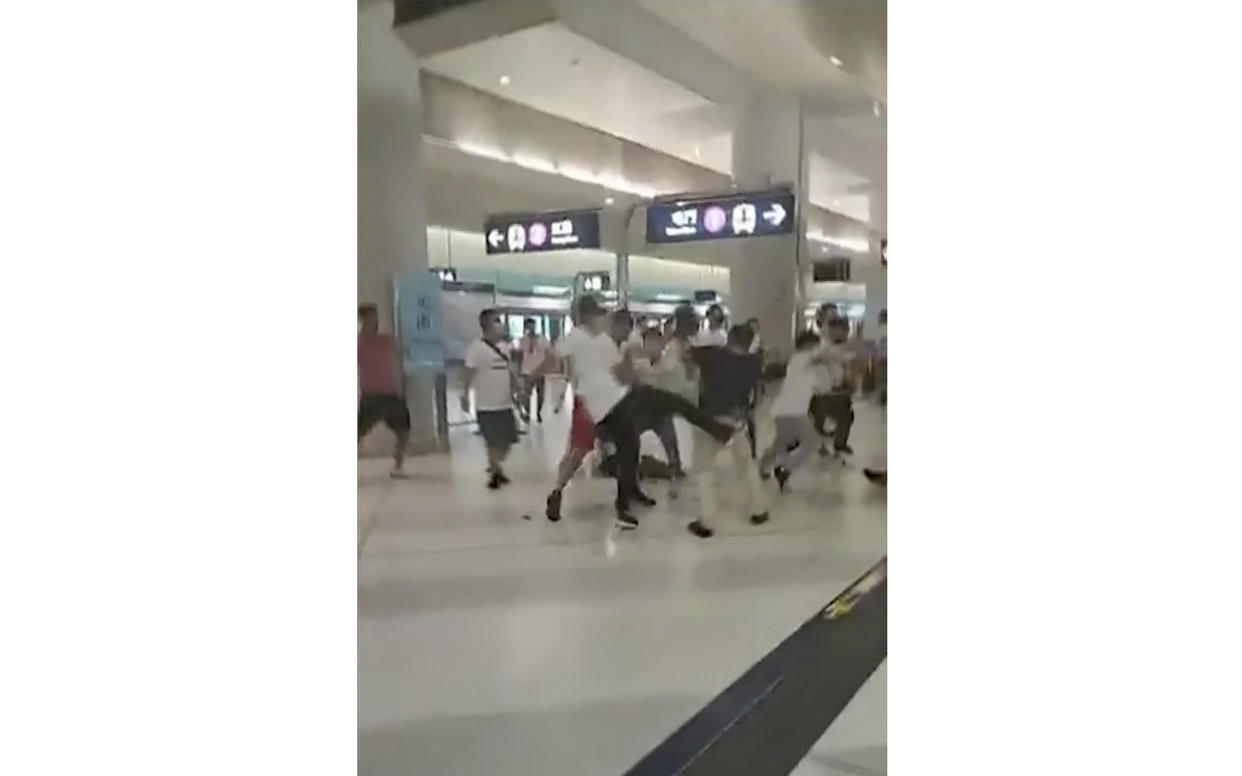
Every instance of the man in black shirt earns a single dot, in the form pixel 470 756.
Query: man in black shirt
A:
pixel 729 376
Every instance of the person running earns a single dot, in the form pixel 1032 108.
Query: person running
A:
pixel 715 335
pixel 488 371
pixel 534 353
pixel 834 389
pixel 606 381
pixel 730 375
pixel 581 427
pixel 380 396
pixel 795 436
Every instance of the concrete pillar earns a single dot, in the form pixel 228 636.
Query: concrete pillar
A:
pixel 763 280
pixel 873 273
pixel 392 224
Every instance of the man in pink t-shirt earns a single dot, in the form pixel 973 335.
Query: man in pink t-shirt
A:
pixel 379 386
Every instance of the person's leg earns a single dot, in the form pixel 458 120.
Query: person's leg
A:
pixel 397 418
pixel 620 426
pixel 653 401
pixel 842 410
pixel 541 385
pixel 804 434
pixel 786 437
pixel 750 432
pixel 667 434
pixel 744 469
pixel 705 450
pixel 367 416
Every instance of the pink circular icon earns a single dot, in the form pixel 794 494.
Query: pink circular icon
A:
pixel 537 234
pixel 714 219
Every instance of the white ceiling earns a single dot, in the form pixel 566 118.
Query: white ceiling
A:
pixel 554 70
pixel 781 43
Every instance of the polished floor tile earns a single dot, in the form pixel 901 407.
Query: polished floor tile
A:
pixel 489 643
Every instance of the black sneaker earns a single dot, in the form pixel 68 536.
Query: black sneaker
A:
pixel 501 476
pixel 625 521
pixel 759 519
pixel 698 529
pixel 554 506
pixel 878 477
pixel 644 499
pixel 782 477
pixel 494 481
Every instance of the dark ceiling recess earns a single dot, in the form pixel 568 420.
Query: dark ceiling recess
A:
pixel 408 11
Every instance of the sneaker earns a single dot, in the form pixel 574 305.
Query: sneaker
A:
pixel 759 519
pixel 782 477
pixel 625 521
pixel 698 529
pixel 644 499
pixel 501 476
pixel 554 506
pixel 398 474
pixel 494 481
pixel 876 476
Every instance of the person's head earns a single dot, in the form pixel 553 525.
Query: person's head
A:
pixel 653 344
pixel 715 316
pixel 491 326
pixel 620 326
pixel 368 318
pixel 590 314
pixel 739 338
pixel 528 326
pixel 806 340
pixel 838 330
pixel 685 321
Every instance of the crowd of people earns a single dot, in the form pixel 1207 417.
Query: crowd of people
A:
pixel 626 382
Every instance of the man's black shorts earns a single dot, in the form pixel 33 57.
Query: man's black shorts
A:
pixel 389 408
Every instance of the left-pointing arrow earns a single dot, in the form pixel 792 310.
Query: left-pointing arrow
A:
pixel 495 238
pixel 775 214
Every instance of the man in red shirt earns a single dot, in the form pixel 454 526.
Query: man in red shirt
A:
pixel 378 382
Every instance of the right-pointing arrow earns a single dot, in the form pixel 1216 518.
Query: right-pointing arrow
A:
pixel 775 214
pixel 495 238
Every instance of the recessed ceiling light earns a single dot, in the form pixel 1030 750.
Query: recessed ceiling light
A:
pixel 836 61
pixel 504 80
pixel 608 200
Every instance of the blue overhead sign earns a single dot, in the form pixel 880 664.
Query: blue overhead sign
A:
pixel 542 232
pixel 718 218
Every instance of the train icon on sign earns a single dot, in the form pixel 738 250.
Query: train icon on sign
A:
pixel 744 218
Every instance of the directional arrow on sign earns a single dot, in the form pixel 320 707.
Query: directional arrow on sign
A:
pixel 775 214
pixel 495 238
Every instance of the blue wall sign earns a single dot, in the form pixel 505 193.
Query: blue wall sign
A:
pixel 421 321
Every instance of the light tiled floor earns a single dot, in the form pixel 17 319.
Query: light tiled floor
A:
pixel 490 644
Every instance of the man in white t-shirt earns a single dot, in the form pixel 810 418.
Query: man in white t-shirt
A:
pixel 488 371
pixel 795 436
pixel 534 351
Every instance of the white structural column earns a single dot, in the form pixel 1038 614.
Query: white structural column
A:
pixel 763 278
pixel 392 224
pixel 873 274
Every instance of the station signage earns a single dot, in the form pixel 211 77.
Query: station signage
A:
pixel 542 232
pixel 717 218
